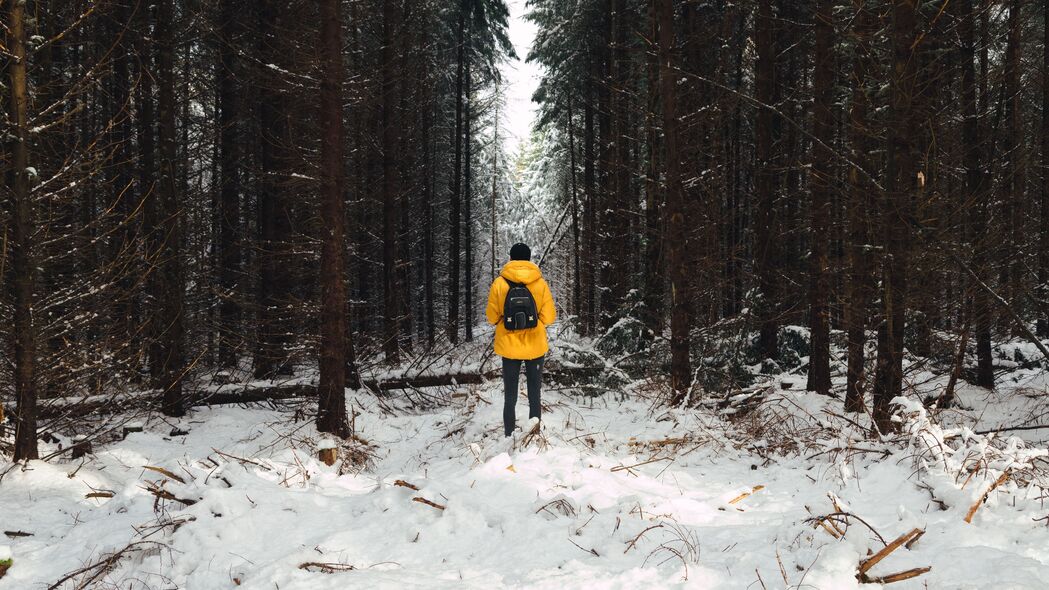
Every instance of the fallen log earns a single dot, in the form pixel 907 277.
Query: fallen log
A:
pixel 74 408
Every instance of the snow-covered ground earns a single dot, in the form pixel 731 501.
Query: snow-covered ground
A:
pixel 617 493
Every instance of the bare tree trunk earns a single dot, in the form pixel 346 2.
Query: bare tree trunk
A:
pixel 273 208
pixel 654 271
pixel 1042 293
pixel 860 209
pixel 429 319
pixel 171 288
pixel 905 180
pixel 331 412
pixel 1013 201
pixel 390 185
pixel 576 290
pixel 23 267
pixel 589 218
pixel 680 363
pixel 976 189
pixel 823 132
pixel 229 187
pixel 454 218
pixel 764 182
pixel 468 200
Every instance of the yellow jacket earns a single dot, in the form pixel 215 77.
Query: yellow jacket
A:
pixel 521 344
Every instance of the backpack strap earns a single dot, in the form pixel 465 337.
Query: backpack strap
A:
pixel 511 283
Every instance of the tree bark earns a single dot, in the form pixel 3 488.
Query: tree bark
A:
pixel 390 186
pixel 171 291
pixel 454 211
pixel 823 132
pixel 23 267
pixel 680 363
pixel 229 184
pixel 860 208
pixel 766 231
pixel 273 209
pixel 331 413
pixel 577 294
pixel 1042 293
pixel 977 194
pixel 468 282
pixel 654 271
pixel 905 180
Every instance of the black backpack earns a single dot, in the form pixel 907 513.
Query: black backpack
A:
pixel 519 312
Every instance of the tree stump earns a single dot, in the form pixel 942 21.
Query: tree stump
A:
pixel 327 452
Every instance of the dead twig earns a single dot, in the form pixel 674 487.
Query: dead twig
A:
pixel 422 500
pixel 898 576
pixel 326 568
pixel 983 498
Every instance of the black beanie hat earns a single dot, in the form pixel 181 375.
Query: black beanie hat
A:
pixel 520 252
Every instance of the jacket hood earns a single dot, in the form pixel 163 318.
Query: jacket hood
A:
pixel 521 271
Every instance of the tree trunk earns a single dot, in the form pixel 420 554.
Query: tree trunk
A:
pixel 589 217
pixel 331 413
pixel 273 207
pixel 860 208
pixel 821 180
pixel 976 189
pixel 905 180
pixel 390 186
pixel 171 291
pixel 1042 293
pixel 454 212
pixel 23 267
pixel 229 185
pixel 576 292
pixel 654 271
pixel 680 364
pixel 1013 201
pixel 468 199
pixel 766 230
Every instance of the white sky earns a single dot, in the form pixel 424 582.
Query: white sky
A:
pixel 520 79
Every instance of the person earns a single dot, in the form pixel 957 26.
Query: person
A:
pixel 526 346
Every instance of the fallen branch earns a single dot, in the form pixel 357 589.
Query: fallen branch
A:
pixel 165 473
pixel 99 495
pixel 898 577
pixel 404 484
pixel 744 495
pixel 325 568
pixel 624 467
pixel 16 534
pixel 163 494
pixel 422 500
pixel 100 567
pixel 983 498
pixel 873 560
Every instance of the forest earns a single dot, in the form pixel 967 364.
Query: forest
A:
pixel 799 251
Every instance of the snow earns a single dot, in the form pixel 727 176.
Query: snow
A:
pixel 615 491
pixel 603 500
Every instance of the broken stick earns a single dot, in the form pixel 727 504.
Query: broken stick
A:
pixel 972 509
pixel 742 496
pixel 422 500
pixel 873 560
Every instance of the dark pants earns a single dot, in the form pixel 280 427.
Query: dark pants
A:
pixel 511 376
